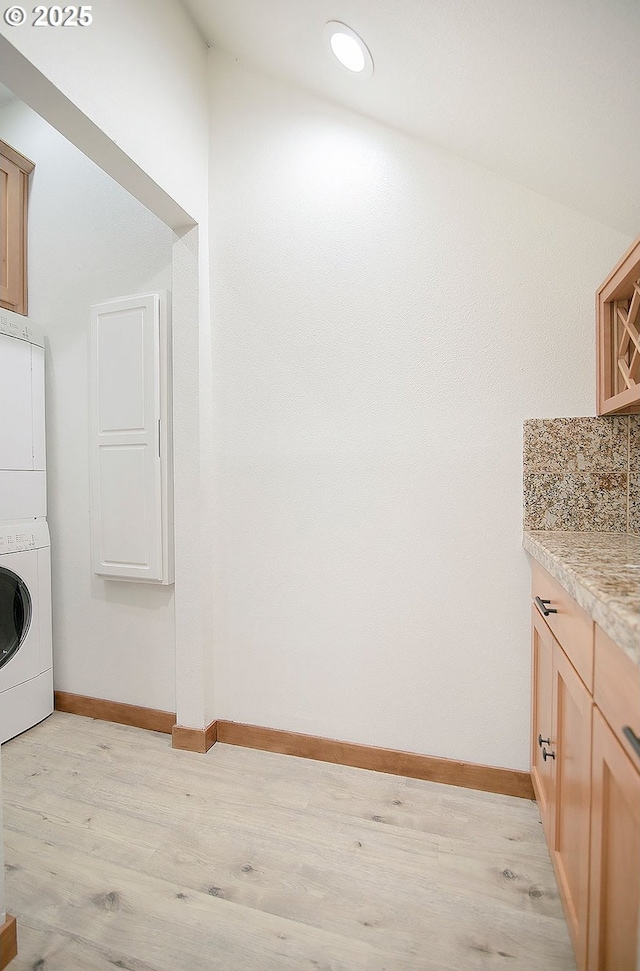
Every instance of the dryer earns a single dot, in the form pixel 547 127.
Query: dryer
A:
pixel 26 673
pixel 22 439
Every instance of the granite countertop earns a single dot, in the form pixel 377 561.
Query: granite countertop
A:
pixel 601 571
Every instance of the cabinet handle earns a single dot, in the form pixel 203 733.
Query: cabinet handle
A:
pixel 548 755
pixel 633 739
pixel 543 741
pixel 542 606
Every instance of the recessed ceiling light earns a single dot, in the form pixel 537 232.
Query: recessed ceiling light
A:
pixel 349 48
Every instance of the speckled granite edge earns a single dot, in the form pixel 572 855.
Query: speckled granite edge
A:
pixel 616 613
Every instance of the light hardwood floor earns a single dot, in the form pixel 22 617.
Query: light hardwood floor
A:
pixel 123 853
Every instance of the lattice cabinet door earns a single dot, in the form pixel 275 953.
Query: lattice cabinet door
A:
pixel 618 337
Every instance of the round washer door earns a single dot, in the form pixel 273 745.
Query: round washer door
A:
pixel 15 614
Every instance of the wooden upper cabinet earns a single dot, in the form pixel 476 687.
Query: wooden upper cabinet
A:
pixel 14 191
pixel 618 337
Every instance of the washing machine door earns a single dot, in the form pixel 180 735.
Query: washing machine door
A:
pixel 15 614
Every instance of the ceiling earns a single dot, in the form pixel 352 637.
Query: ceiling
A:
pixel 544 93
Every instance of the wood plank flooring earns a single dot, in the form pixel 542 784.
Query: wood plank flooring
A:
pixel 124 853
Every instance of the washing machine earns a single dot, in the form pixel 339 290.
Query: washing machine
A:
pixel 23 487
pixel 26 677
pixel 26 662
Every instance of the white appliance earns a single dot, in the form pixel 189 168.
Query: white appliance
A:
pixel 26 663
pixel 23 485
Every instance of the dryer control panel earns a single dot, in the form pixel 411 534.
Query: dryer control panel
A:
pixel 24 329
pixel 28 534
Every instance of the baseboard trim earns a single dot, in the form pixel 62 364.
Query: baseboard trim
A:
pixel 8 941
pixel 194 739
pixel 152 719
pixel 470 775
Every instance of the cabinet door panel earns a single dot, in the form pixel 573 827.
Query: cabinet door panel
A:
pixel 570 847
pixel 14 171
pixel 615 855
pixel 570 624
pixel 125 455
pixel 11 227
pixel 131 465
pixel 541 721
pixel 617 690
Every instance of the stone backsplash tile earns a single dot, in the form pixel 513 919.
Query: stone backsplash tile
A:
pixel 634 503
pixel 582 474
pixel 576 501
pixel 634 444
pixel 634 474
pixel 576 445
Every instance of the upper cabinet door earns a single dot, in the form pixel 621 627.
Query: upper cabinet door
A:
pixel 14 186
pixel 618 336
pixel 130 460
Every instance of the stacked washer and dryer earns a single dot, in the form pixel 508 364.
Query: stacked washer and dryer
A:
pixel 26 674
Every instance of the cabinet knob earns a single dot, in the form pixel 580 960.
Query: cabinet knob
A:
pixel 543 741
pixel 548 755
pixel 542 605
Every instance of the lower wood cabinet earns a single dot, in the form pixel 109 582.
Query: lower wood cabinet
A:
pixel 615 854
pixel 588 788
pixel 542 736
pixel 572 721
pixel 561 774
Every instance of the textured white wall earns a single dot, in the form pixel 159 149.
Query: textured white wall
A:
pixel 385 316
pixel 89 241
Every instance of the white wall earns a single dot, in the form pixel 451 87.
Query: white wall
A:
pixel 89 241
pixel 386 315
pixel 139 73
pixel 131 90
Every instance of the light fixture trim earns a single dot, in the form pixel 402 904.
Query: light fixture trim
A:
pixel 333 29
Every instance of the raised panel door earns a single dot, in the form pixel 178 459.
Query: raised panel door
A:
pixel 131 450
pixel 14 180
pixel 126 461
pixel 542 740
pixel 572 718
pixel 12 232
pixel 615 855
